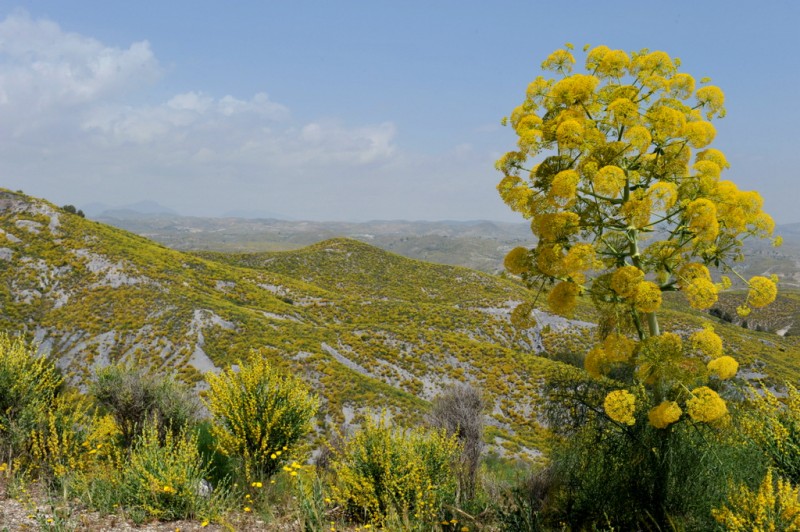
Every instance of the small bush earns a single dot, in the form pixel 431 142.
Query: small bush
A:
pixel 459 412
pixel 385 475
pixel 259 416
pixel 773 425
pixel 164 479
pixel 65 439
pixel 134 396
pixel 28 386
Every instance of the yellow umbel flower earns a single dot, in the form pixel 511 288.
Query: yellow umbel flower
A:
pixel 723 367
pixel 638 137
pixel 552 227
pixel 618 348
pixel 564 187
pixel 648 297
pixel 707 341
pixel 702 218
pixel 700 293
pixel 664 194
pixel 626 280
pixel 713 99
pixel 699 134
pixel 569 134
pixel 517 261
pixel 664 414
pixel 563 298
pixel 620 405
pixel 609 181
pixel 762 291
pixel 706 405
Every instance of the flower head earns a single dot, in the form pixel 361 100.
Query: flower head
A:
pixel 620 405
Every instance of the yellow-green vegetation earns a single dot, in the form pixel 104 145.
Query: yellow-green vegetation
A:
pixel 28 386
pixel 395 478
pixel 259 416
pixel 774 506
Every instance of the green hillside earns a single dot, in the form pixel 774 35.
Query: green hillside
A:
pixel 369 329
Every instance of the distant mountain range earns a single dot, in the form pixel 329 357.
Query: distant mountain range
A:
pixel 479 245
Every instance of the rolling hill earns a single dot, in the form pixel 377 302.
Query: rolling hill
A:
pixel 369 329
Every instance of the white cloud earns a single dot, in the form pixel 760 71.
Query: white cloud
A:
pixel 40 64
pixel 71 131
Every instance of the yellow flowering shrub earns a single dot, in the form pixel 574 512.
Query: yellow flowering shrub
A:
pixel 28 385
pixel 383 472
pixel 775 506
pixel 162 479
pixel 773 424
pixel 620 405
pixel 259 415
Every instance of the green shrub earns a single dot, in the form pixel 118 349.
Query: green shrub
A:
pixel 608 474
pixel 134 396
pixel 28 385
pixel 259 416
pixel 391 477
pixel 164 477
pixel 459 412
pixel 773 425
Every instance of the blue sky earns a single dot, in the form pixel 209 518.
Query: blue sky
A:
pixel 348 110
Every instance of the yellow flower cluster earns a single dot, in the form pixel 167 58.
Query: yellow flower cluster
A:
pixel 609 181
pixel 620 405
pixel 699 134
pixel 607 63
pixel 723 367
pixel 707 341
pixel 713 99
pixel 706 405
pixel 702 220
pixel 517 261
pixel 564 188
pixel 701 294
pixel 625 281
pixel 615 349
pixel 665 414
pixel 552 227
pixel 648 297
pixel 762 291
pixel 563 298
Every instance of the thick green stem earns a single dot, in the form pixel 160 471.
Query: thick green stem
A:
pixel 652 319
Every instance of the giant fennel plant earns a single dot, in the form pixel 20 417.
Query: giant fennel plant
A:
pixel 613 168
